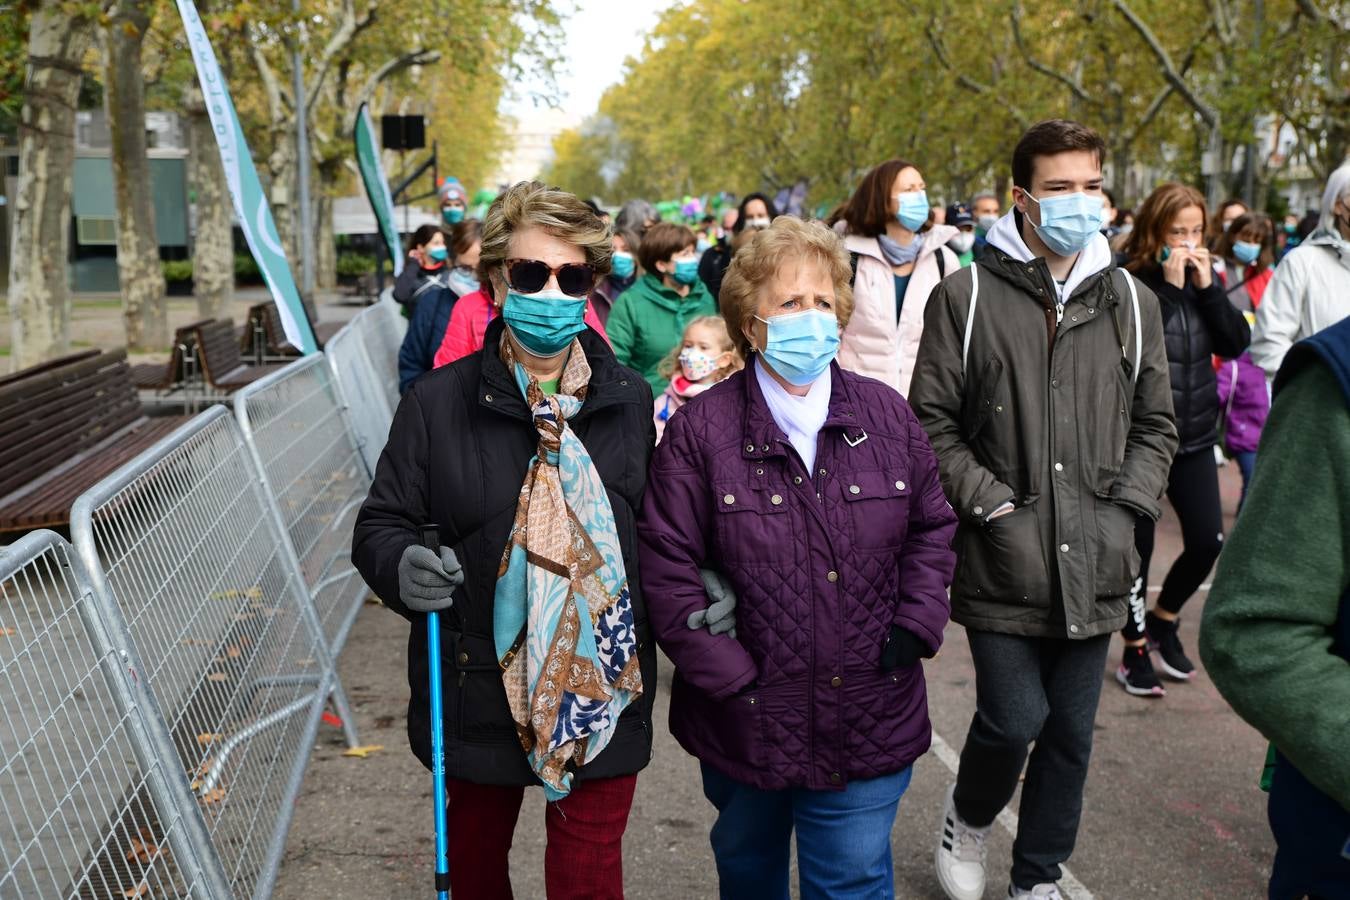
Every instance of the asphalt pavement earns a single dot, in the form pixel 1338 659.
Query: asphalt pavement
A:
pixel 1172 807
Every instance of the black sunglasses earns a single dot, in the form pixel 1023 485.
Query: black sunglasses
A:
pixel 528 276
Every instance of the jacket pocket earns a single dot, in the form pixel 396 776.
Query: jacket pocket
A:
pixel 1110 407
pixel 730 728
pixel 484 714
pixel 1117 558
pixel 1006 559
pixel 985 394
pixel 878 508
pixel 752 524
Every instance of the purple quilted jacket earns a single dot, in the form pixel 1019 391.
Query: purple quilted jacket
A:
pixel 823 564
pixel 1244 403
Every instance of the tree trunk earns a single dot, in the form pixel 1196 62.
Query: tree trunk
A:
pixel 213 243
pixel 39 289
pixel 325 245
pixel 144 306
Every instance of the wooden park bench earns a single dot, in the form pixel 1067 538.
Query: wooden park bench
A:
pixel 264 340
pixel 218 359
pixel 158 382
pixel 68 424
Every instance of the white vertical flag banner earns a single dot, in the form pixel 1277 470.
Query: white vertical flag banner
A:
pixel 250 204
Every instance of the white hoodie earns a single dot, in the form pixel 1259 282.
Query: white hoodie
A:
pixel 1093 258
pixel 1311 286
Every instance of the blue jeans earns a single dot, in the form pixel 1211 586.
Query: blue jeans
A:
pixel 843 837
pixel 1246 461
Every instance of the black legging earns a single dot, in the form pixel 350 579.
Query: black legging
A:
pixel 1193 489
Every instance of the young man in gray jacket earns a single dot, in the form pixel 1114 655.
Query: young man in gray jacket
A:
pixel 1042 382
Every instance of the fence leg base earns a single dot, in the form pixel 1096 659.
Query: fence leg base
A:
pixel 338 697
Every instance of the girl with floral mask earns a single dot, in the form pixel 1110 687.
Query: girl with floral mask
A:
pixel 706 356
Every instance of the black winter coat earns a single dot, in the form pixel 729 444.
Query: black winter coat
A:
pixel 1197 325
pixel 458 450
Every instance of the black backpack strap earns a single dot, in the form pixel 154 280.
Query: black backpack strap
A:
pixel 942 264
pixel 852 268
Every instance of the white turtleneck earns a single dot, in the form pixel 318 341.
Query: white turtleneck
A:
pixel 800 417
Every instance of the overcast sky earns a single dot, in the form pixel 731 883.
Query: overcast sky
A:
pixel 598 37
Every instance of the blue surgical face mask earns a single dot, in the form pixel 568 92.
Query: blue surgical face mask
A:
pixel 913 209
pixel 1069 222
pixel 702 246
pixel 801 346
pixel 686 270
pixel 462 282
pixel 545 323
pixel 438 254
pixel 623 264
pixel 453 215
pixel 1246 252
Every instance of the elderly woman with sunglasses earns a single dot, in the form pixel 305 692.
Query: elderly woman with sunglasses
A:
pixel 530 457
pixel 813 493
pixel 473 313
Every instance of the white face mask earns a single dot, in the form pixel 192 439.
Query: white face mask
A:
pixel 760 222
pixel 962 242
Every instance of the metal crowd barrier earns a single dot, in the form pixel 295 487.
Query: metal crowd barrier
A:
pixel 90 806
pixel 296 425
pixel 381 329
pixel 362 387
pixel 191 573
pixel 164 678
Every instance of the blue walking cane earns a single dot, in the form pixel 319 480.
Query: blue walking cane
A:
pixel 431 539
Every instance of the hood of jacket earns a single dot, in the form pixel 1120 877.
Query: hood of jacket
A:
pixel 1006 235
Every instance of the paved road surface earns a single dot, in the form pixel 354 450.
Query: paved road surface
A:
pixel 1172 808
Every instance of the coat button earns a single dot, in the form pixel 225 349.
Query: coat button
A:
pixel 776 500
pixel 729 499
pixel 797 479
pixel 836 778
pixel 487 397
pixel 899 485
pixel 979 510
pixel 1073 629
pixel 759 471
pixel 821 472
pixel 1073 318
pixel 1059 467
pixel 1091 311
pixel 1063 548
pixel 1054 383
pixel 832 577
pixel 765 448
pixel 749 448
pixel 464 659
pixel 854 489
pixel 836 681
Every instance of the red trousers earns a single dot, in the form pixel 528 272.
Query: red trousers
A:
pixel 584 856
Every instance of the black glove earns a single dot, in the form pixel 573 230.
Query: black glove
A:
pixel 903 648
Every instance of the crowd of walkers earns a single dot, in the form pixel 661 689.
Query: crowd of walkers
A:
pixel 789 451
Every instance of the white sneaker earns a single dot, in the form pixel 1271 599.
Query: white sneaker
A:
pixel 960 855
pixel 1048 891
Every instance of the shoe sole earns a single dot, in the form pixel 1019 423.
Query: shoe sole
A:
pixel 1174 674
pixel 1139 692
pixel 953 893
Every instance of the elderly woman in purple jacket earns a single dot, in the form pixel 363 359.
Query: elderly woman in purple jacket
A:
pixel 813 494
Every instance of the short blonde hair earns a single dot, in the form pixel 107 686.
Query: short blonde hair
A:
pixel 528 204
pixel 671 364
pixel 758 261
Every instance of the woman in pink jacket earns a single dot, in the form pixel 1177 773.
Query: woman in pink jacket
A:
pixel 900 255
pixel 469 321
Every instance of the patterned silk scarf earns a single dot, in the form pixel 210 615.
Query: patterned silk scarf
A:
pixel 563 619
